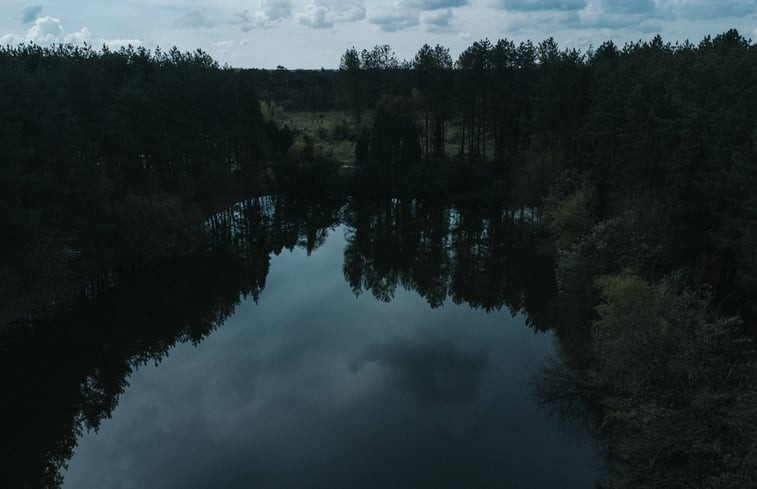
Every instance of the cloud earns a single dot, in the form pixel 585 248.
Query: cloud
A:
pixel 547 15
pixel 538 5
pixel 245 19
pixel 10 39
pixel 615 14
pixel 119 43
pixel 248 21
pixel 630 6
pixel 325 13
pixel 438 20
pixel 316 16
pixel 707 9
pixel 396 19
pixel 269 13
pixel 273 10
pixel 436 15
pixel 428 369
pixel 546 22
pixel 194 19
pixel 45 30
pixel 623 7
pixel 30 14
pixel 49 30
pixel 394 22
pixel 79 37
pixel 433 4
pixel 650 28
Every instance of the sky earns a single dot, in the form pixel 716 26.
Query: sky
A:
pixel 315 33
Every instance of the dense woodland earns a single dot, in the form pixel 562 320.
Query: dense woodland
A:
pixel 110 156
pixel 636 167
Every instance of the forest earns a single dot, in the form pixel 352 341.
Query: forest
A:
pixel 635 165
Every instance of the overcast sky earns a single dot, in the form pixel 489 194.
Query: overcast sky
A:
pixel 315 33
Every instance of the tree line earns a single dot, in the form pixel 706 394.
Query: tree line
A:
pixel 666 129
pixel 109 157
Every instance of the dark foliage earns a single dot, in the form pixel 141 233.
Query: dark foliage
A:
pixel 658 131
pixel 109 157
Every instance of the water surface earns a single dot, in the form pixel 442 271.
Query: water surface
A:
pixel 326 366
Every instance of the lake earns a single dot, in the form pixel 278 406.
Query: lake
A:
pixel 358 344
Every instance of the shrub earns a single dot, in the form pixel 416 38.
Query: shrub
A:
pixel 678 390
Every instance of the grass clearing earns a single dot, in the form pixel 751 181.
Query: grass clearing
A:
pixel 331 134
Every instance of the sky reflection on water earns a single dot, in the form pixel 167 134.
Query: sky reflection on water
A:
pixel 314 387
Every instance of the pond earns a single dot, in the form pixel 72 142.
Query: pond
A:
pixel 383 344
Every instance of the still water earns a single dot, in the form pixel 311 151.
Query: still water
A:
pixel 332 365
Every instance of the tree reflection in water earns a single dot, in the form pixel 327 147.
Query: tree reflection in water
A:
pixel 64 374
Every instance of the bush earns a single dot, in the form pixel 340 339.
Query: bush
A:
pixel 678 391
pixel 572 218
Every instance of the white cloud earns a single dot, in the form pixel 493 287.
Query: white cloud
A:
pixel 45 30
pixel 119 43
pixel 325 13
pixel 346 11
pixel 316 16
pixel 10 39
pixel 49 30
pixel 79 37
pixel 434 15
pixel 268 14
pixel 273 10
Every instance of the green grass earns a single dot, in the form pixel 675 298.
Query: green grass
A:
pixel 333 134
